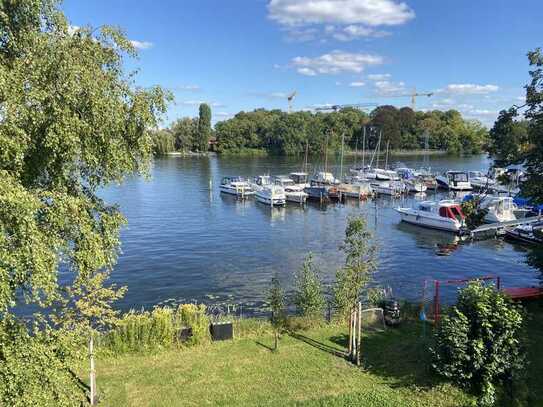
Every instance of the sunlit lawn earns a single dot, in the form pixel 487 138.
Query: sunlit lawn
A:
pixel 305 370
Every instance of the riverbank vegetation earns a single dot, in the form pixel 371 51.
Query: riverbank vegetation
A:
pixel 516 137
pixel 278 132
pixel 274 132
pixel 307 369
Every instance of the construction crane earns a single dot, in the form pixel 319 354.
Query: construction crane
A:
pixel 335 108
pixel 290 98
pixel 413 95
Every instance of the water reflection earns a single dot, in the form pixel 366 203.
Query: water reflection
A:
pixel 186 241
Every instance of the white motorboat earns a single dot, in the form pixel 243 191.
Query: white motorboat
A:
pixel 360 189
pixel 273 195
pixel 443 215
pixel 415 185
pixel 391 188
pixel 300 179
pixel 324 178
pixel 454 181
pixel 237 186
pixel 479 180
pixel 411 181
pixel 530 233
pixel 499 209
pixel 293 192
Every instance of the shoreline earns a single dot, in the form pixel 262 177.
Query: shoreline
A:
pixel 263 153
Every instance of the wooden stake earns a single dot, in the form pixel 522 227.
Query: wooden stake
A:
pixel 358 345
pixel 92 372
pixel 350 332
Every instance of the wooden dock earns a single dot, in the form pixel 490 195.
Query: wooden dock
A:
pixel 497 229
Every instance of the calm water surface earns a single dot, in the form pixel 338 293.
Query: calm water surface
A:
pixel 187 242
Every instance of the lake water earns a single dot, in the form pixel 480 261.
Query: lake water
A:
pixel 187 242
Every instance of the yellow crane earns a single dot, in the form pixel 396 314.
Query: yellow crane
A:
pixel 290 98
pixel 413 95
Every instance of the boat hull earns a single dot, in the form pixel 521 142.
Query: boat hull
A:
pixel 433 222
pixel 235 191
pixel 275 201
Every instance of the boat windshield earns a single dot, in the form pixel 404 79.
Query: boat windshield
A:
pixel 475 174
pixel 460 176
pixel 284 182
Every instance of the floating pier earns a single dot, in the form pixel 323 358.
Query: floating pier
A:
pixel 498 229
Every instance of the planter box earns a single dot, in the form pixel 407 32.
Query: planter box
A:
pixel 221 331
pixel 185 334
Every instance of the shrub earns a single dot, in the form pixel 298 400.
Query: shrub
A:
pixel 308 293
pixel 194 316
pixel 477 343
pixel 157 329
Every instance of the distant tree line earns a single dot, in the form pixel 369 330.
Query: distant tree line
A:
pixel 185 134
pixel 281 133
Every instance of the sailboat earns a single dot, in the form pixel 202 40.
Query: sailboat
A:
pixel 323 185
pixel 387 182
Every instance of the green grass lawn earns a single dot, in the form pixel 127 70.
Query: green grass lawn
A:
pixel 306 370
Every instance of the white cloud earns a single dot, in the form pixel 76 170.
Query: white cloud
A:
pixel 469 89
pixel 141 44
pixel 379 77
pixel 72 29
pixel 199 102
pixel 385 88
pixel 335 62
pixel 368 12
pixel 352 32
pixel 270 95
pixel 188 88
pixel 356 84
pixel 223 114
pixel 343 20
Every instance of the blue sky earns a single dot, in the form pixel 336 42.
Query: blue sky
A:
pixel 244 54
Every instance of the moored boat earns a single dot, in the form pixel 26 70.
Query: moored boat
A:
pixel 237 186
pixel 273 195
pixel 443 215
pixel 293 192
pixel 529 233
pixel 454 181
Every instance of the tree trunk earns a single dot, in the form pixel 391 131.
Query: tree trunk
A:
pixel 92 372
pixel 276 341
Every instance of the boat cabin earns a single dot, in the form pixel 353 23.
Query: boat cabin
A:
pixel 324 178
pixel 232 180
pixel 284 181
pixel 298 177
pixel 262 180
pixel 445 209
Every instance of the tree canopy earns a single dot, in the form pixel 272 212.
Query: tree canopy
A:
pixel 517 135
pixel 71 121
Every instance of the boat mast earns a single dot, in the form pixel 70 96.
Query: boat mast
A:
pixel 304 167
pixel 326 152
pixel 341 161
pixel 386 156
pixel 363 146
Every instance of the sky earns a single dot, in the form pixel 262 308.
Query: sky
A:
pixel 247 54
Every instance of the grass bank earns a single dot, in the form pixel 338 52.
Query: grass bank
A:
pixel 308 369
